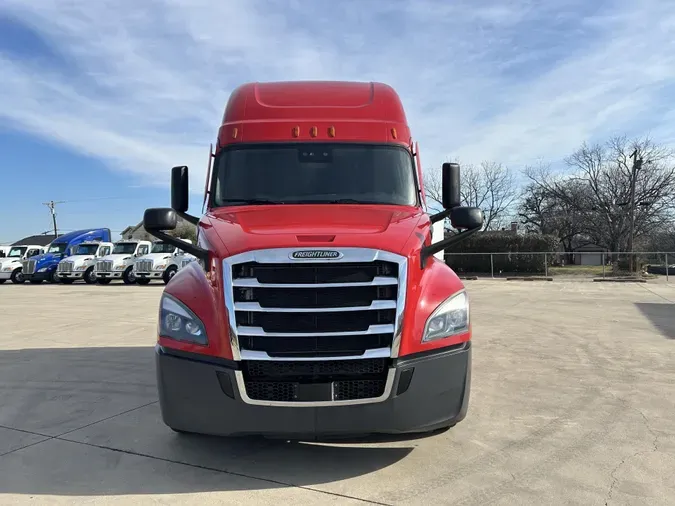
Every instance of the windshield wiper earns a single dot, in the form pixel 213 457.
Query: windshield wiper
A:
pixel 253 202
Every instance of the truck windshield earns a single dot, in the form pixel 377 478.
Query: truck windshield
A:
pixel 124 248
pixel 57 248
pixel 162 247
pixel 313 173
pixel 16 252
pixel 86 249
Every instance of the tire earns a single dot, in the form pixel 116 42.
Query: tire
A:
pixel 17 276
pixel 104 281
pixel 128 277
pixel 53 277
pixel 89 276
pixel 169 273
pixel 143 281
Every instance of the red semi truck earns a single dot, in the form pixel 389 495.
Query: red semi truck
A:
pixel 316 307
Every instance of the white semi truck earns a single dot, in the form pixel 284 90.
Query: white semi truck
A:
pixel 120 263
pixel 11 267
pixel 163 262
pixel 81 264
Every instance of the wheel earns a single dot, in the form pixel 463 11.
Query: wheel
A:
pixel 67 281
pixel 103 281
pixel 53 277
pixel 169 273
pixel 129 277
pixel 89 276
pixel 17 276
pixel 143 281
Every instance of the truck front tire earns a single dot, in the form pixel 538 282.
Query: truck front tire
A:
pixel 128 277
pixel 53 277
pixel 89 276
pixel 17 277
pixel 168 274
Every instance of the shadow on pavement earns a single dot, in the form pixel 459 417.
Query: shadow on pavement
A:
pixel 662 316
pixel 85 421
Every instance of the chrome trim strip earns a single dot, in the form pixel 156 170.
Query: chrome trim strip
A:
pixel 259 332
pixel 391 375
pixel 255 306
pixel 261 355
pixel 253 283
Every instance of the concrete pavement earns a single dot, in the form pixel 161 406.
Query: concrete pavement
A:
pixel 572 398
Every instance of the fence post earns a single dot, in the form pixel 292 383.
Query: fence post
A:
pixel 667 280
pixel 492 266
pixel 546 264
pixel 603 264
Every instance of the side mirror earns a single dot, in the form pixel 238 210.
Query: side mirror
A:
pixel 450 179
pixel 160 218
pixel 180 189
pixel 467 218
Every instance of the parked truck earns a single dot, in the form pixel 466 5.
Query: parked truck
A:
pixel 44 267
pixel 119 264
pixel 11 267
pixel 82 261
pixel 317 308
pixel 163 262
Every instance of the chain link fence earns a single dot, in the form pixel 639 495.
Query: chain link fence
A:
pixel 576 265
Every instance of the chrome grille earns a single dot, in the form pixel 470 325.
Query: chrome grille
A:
pixel 104 266
pixel 186 261
pixel 340 310
pixel 143 266
pixel 28 266
pixel 65 267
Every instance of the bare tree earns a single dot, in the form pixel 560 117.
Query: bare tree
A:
pixel 489 186
pixel 596 195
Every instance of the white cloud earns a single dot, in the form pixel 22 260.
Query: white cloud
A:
pixel 142 85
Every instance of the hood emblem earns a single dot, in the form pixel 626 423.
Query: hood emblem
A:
pixel 315 254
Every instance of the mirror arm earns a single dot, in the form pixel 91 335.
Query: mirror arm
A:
pixel 429 251
pixel 440 216
pixel 188 217
pixel 198 252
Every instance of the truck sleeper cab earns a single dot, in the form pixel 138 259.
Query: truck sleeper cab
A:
pixel 119 264
pixel 316 307
pixel 11 267
pixel 44 267
pixel 163 262
pixel 82 262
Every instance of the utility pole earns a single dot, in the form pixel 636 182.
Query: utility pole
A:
pixel 637 165
pixel 52 208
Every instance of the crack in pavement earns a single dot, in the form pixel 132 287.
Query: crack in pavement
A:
pixel 655 448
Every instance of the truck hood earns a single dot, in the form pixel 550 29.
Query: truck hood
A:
pixel 155 257
pixel 286 226
pixel 6 261
pixel 46 260
pixel 118 258
pixel 79 259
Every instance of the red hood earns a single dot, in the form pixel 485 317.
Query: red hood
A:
pixel 285 226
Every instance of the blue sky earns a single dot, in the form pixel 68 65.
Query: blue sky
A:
pixel 99 99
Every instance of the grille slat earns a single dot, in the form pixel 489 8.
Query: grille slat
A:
pixel 28 266
pixel 65 267
pixel 104 266
pixel 144 266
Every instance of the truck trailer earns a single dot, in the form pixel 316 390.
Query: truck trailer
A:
pixel 316 307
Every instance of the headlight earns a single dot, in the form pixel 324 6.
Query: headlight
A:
pixel 119 267
pixel 178 322
pixel 451 317
pixel 160 266
pixel 44 269
pixel 81 267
